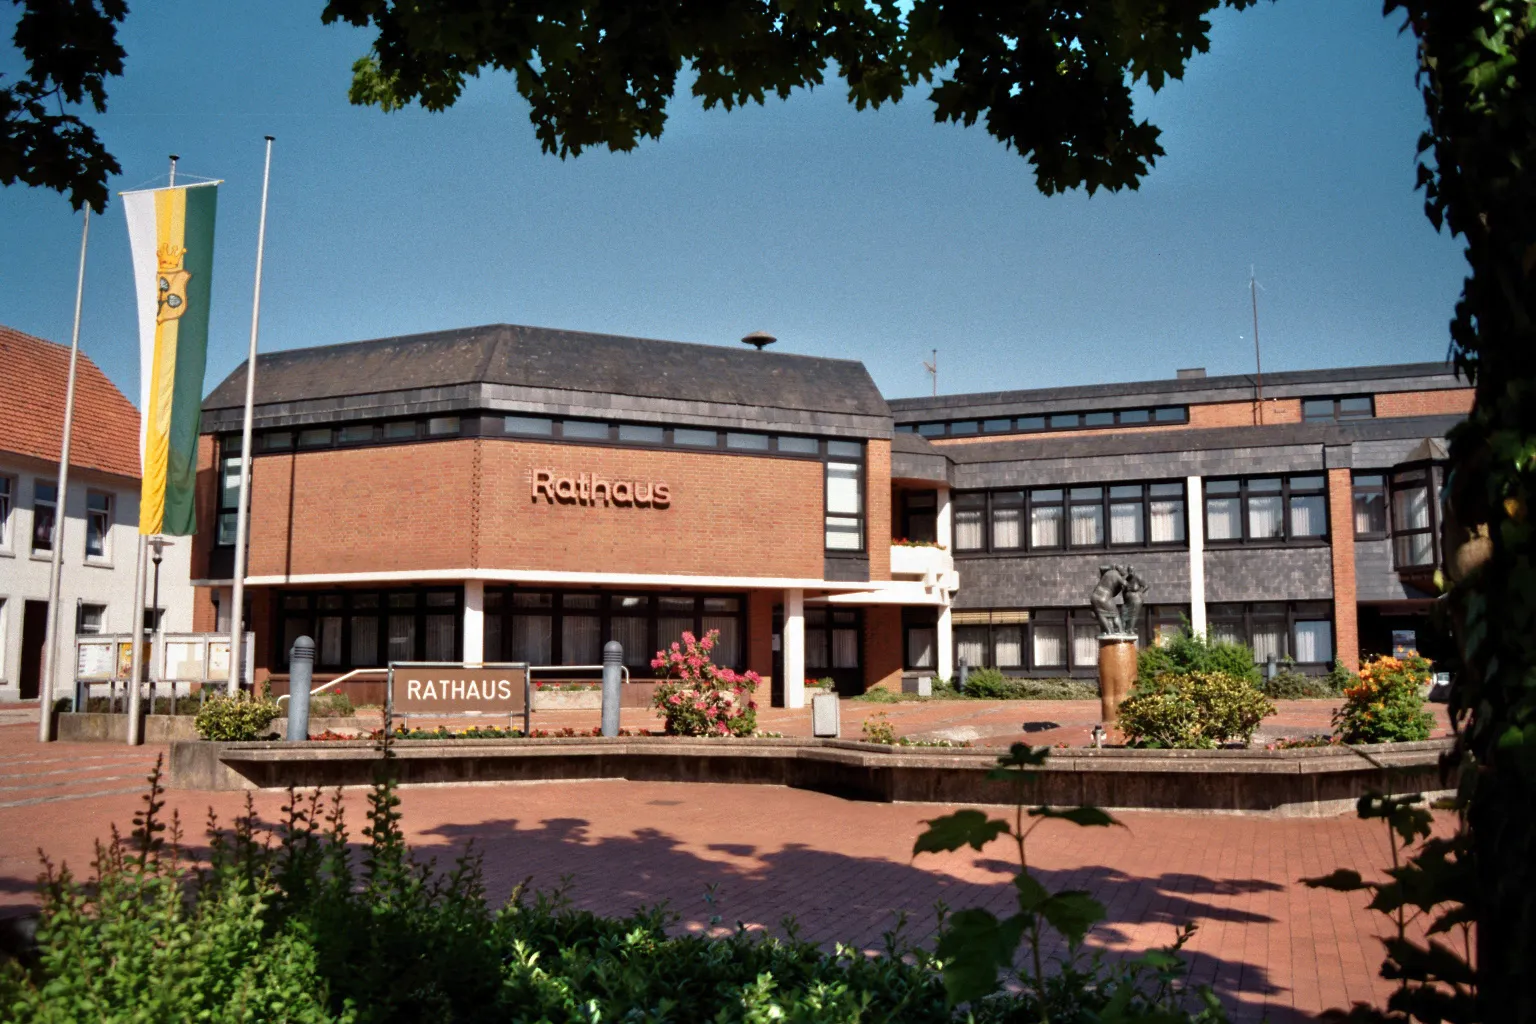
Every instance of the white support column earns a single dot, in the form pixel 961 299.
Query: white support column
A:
pixel 794 648
pixel 474 622
pixel 1196 531
pixel 946 521
pixel 946 644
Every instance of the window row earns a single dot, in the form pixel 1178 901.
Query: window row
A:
pixel 1057 518
pixel 99 508
pixel 369 629
pixel 1276 631
pixel 1165 414
pixel 1403 505
pixel 557 428
pixel 1266 509
pixel 1337 410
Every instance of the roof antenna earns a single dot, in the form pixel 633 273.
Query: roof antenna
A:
pixel 933 371
pixel 759 340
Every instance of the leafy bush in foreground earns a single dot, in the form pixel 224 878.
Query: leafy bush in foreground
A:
pixel 1289 684
pixel 287 923
pixel 1186 653
pixel 1386 704
pixel 236 718
pixel 1202 709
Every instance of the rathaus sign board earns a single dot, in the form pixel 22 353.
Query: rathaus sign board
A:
pixel 456 690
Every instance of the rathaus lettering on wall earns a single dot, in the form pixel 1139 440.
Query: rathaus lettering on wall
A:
pixel 591 489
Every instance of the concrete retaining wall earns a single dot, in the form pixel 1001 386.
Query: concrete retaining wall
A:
pixel 1293 782
pixel 91 727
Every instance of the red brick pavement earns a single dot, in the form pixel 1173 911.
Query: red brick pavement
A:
pixel 842 869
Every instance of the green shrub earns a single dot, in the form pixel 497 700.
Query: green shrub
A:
pixel 876 729
pixel 990 684
pixel 1386 703
pixel 331 704
pixel 1340 678
pixel 232 719
pixel 1186 653
pixel 1200 710
pixel 302 929
pixel 1291 685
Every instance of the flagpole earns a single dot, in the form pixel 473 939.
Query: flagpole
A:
pixel 56 563
pixel 237 598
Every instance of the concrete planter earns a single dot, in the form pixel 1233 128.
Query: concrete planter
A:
pixel 95 727
pixel 567 700
pixel 1302 782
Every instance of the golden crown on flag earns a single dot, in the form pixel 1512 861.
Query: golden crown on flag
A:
pixel 170 256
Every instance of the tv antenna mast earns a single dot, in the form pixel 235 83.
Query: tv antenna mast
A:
pixel 933 371
pixel 1258 363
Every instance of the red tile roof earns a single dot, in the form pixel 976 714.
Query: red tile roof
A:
pixel 33 377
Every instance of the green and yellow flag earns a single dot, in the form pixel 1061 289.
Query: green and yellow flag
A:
pixel 170 231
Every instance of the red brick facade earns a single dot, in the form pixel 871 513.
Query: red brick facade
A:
pixel 1447 402
pixel 1341 531
pixel 468 503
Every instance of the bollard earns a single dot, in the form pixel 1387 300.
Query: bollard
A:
pixel 965 676
pixel 1269 668
pixel 301 672
pixel 613 673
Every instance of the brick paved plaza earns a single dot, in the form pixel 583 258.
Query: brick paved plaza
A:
pixel 843 869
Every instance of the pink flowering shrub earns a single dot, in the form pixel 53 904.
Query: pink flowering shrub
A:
pixel 701 698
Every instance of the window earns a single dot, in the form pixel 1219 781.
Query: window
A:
pixel 931 429
pixel 844 500
pixel 532 632
pixel 229 499
pixel 585 429
pixel 1065 421
pixel 1413 542
pixel 1166 516
pixel 638 433
pixel 970 646
pixel 922 642
pixel 91 620
pixel 1000 426
pixel 536 426
pixel 723 614
pixel 629 625
pixel 1171 414
pixel 7 489
pixel 1045 518
pixel 920 515
pixel 1031 423
pixel 355 433
pixel 442 426
pixel 800 445
pixel 699 438
pixel 747 442
pixel 1127 511
pixel 369 629
pixel 963 427
pixel 44 512
pixel 98 525
pixel 1333 410
pixel 1300 631
pixel 318 437
pixel 1135 415
pixel 1007 520
pixel 402 430
pixel 1085 507
pixel 1370 501
pixel 1098 419
pixel 970 522
pixel 1267 509
pixel 1050 641
pixel 280 440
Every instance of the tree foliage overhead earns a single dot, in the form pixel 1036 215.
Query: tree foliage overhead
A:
pixel 70 48
pixel 1051 79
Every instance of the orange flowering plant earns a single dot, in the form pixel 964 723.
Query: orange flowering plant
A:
pixel 703 699
pixel 1386 705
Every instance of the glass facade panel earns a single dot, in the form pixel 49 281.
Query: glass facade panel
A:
pixel 1167 520
pixel 586 429
pixel 799 445
pixel 1085 644
pixel 1007 527
pixel 1045 526
pixel 1314 641
pixel 1264 518
pixel 402 638
pixel 971 646
pixel 1309 516
pixel 539 426
pixel 579 640
pixel 1087 525
pixel 921 646
pixel 1050 645
pixel 532 639
pixel 365 641
pixel 748 442
pixel 697 438
pixel 1125 525
pixel 1008 646
pixel 640 433
pixel 969 535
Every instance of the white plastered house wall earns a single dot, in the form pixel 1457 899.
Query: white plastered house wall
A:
pixel 105 582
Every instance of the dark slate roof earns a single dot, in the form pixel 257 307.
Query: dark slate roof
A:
pixel 1064 445
pixel 1413 376
pixel 538 357
pixel 916 444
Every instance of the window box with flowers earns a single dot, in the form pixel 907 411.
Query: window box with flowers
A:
pixel 699 697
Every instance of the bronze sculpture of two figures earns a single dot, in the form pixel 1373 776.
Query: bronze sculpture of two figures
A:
pixel 1118 581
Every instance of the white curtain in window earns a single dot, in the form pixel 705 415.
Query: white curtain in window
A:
pixel 1125 523
pixel 629 631
pixel 1087 525
pixel 1314 641
pixel 1050 646
pixel 579 640
pixel 1264 516
pixel 365 642
pixel 816 649
pixel 1007 527
pixel 1413 549
pixel 1223 518
pixel 727 650
pixel 843 488
pixel 968 535
pixel 1226 632
pixel 1268 641
pixel 1085 644
pixel 532 637
pixel 1308 518
pixel 1167 521
pixel 1410 509
pixel 971 647
pixel 920 645
pixel 330 640
pixel 1007 646
pixel 402 638
pixel 845 648
pixel 1045 526
pixel 440 636
pixel 670 629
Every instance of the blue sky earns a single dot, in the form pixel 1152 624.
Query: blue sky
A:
pixel 873 236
